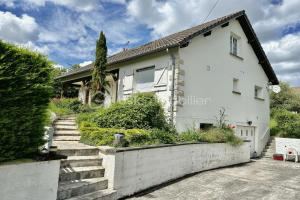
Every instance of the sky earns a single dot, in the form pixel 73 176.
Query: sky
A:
pixel 66 30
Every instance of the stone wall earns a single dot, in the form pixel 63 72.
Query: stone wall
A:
pixel 131 170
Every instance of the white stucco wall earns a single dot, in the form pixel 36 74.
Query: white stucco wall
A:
pixel 160 60
pixel 282 144
pixel 139 169
pixel 29 181
pixel 208 83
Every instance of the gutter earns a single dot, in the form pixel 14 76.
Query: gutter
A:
pixel 172 89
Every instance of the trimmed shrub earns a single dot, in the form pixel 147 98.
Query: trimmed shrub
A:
pixel 93 135
pixel 26 86
pixel 142 111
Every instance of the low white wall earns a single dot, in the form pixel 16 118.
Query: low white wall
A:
pixel 283 143
pixel 29 181
pixel 140 168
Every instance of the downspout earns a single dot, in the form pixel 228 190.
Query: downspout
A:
pixel 172 88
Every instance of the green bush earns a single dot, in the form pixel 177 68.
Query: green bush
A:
pixel 93 135
pixel 158 136
pixel 142 111
pixel 213 135
pixel 191 135
pixel 86 117
pixel 274 130
pixel 288 123
pixel 67 106
pixel 26 80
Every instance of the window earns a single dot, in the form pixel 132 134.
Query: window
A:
pixel 258 92
pixel 144 79
pixel 235 46
pixel 205 126
pixel 235 87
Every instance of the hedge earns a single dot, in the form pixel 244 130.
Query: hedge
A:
pixel 93 135
pixel 142 111
pixel 26 86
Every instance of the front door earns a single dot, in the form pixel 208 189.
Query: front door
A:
pixel 247 133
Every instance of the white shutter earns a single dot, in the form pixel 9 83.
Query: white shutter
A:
pixel 161 77
pixel 128 82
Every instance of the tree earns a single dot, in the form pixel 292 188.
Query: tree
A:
pixel 286 99
pixel 99 82
pixel 75 66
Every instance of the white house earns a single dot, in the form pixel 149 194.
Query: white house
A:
pixel 194 73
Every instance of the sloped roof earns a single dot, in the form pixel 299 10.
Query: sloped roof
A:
pixel 180 38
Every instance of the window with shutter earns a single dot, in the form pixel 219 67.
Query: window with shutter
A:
pixel 128 82
pixel 144 79
pixel 161 77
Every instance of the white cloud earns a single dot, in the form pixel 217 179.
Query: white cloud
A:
pixel 85 63
pixel 44 49
pixel 78 5
pixel 58 66
pixel 165 17
pixel 8 3
pixel 18 29
pixel 284 55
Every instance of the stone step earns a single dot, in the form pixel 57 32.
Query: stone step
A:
pixel 76 173
pixel 79 151
pixel 107 194
pixel 81 161
pixel 65 127
pixel 77 188
pixel 66 138
pixel 65 122
pixel 270 147
pixel 67 118
pixel 66 133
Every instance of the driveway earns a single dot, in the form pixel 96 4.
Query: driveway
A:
pixel 260 179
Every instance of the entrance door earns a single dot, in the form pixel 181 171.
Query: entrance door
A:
pixel 247 133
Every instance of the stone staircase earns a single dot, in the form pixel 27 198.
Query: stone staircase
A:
pixel 269 149
pixel 81 174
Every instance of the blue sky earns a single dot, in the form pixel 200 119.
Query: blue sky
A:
pixel 66 30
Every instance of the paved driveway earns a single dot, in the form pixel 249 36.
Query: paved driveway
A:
pixel 260 179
